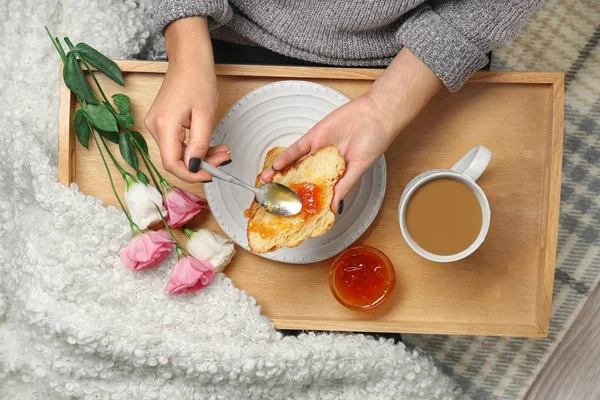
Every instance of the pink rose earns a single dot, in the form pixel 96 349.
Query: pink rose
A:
pixel 147 250
pixel 189 276
pixel 181 206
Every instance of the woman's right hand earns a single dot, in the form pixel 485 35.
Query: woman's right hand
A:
pixel 187 99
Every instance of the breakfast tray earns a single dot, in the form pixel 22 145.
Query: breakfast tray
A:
pixel 505 288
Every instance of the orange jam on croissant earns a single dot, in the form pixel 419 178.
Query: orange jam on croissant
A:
pixel 312 198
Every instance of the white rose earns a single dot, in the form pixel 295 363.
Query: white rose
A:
pixel 206 245
pixel 141 200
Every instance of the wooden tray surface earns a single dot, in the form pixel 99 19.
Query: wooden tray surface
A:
pixel 505 288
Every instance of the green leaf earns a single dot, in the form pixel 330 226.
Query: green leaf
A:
pixel 127 150
pixel 101 62
pixel 101 117
pixel 110 136
pixel 142 177
pixel 122 102
pixel 82 128
pixel 124 116
pixel 140 140
pixel 75 79
pixel 126 121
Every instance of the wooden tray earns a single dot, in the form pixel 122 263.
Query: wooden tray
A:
pixel 505 288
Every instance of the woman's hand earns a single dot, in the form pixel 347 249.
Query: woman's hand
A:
pixel 187 99
pixel 364 128
pixel 357 129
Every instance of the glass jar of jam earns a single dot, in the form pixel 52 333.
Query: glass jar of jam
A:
pixel 361 277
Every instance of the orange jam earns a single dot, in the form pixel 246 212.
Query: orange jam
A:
pixel 362 278
pixel 312 198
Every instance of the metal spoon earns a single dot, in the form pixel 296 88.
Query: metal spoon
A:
pixel 273 197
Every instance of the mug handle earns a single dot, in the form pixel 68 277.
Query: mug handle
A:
pixel 474 162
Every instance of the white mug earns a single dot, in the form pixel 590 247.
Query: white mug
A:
pixel 467 170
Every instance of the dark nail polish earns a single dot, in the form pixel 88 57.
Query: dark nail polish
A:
pixel 194 165
pixel 224 163
pixel 341 207
pixel 209 181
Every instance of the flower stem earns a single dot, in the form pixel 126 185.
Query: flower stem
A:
pixel 148 160
pixel 121 170
pixel 57 46
pixel 60 48
pixel 134 227
pixel 87 66
pixel 152 175
pixel 188 232
pixel 180 252
pixel 178 247
pixel 89 70
pixel 80 100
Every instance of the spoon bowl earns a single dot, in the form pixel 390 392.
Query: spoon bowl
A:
pixel 273 197
pixel 278 199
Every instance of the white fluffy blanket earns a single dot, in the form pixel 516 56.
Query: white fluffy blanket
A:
pixel 75 323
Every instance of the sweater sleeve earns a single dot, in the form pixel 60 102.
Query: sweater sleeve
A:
pixel 452 37
pixel 218 12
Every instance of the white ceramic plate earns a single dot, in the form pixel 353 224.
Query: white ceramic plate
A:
pixel 277 114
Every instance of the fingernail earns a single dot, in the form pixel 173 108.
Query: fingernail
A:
pixel 224 163
pixel 228 151
pixel 194 165
pixel 340 207
pixel 273 168
pixel 208 181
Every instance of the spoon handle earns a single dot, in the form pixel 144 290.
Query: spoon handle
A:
pixel 224 176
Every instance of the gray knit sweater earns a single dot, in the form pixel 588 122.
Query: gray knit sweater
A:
pixel 452 37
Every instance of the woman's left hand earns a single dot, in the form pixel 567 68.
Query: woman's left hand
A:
pixel 357 129
pixel 363 129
